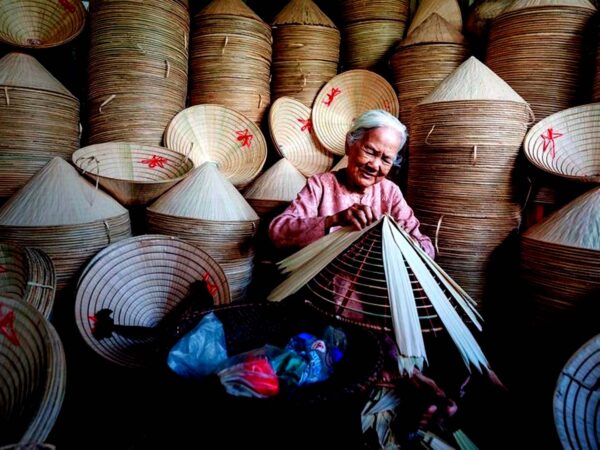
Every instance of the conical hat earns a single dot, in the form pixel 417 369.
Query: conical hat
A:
pixel 575 225
pixel 57 195
pixel 229 8
pixel 302 12
pixel 525 4
pixel 282 181
pixel 40 23
pixel 448 9
pixel 472 80
pixel 434 29
pixel 205 194
pixel 24 71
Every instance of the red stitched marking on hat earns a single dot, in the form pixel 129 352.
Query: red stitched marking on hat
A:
pixel 67 6
pixel 212 288
pixel 332 94
pixel 155 161
pixel 7 326
pixel 306 125
pixel 244 137
pixel 549 143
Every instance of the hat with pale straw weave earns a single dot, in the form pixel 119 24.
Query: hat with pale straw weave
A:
pixel 448 9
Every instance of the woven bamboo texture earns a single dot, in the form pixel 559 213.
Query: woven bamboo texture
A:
pixel 138 69
pixel 39 119
pixel 596 92
pixel 32 374
pixel 448 9
pixel 40 23
pixel 567 143
pixel 134 174
pixel 27 274
pixel 543 65
pixel 479 20
pixel 231 59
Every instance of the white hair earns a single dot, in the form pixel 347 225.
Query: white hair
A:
pixel 375 118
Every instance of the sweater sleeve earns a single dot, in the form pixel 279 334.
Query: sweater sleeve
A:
pixel 299 224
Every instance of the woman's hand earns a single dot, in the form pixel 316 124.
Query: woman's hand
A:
pixel 358 216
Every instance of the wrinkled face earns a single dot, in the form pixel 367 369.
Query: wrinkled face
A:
pixel 370 158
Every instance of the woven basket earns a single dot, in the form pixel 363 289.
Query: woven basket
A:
pixel 344 98
pixel 27 274
pixel 134 174
pixel 576 400
pixel 292 133
pixel 222 135
pixel 40 23
pixel 141 279
pixel 32 374
pixel 567 143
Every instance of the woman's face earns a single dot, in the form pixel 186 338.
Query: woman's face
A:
pixel 370 158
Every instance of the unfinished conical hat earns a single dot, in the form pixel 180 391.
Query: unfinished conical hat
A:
pixel 205 194
pixel 434 29
pixel 282 181
pixel 575 225
pixel 525 4
pixel 57 195
pixel 221 135
pixel 302 12
pixel 40 23
pixel 567 143
pixel 379 277
pixel 291 129
pixel 24 71
pixel 448 9
pixel 228 8
pixel 472 80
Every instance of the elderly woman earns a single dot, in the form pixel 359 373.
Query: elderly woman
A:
pixel 357 195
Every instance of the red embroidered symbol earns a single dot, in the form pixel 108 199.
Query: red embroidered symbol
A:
pixel 212 288
pixel 67 5
pixel 334 92
pixel 2 268
pixel 306 125
pixel 386 105
pixel 93 321
pixel 155 161
pixel 244 137
pixel 7 325
pixel 549 141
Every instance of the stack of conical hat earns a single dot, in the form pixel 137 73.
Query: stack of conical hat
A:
pixel 543 63
pixel 422 60
pixel 138 69
pixel 371 29
pixel 596 93
pixel 448 9
pixel 306 51
pixel 560 259
pixel 208 211
pixel 380 278
pixel 479 20
pixel 275 188
pixel 39 119
pixel 27 274
pixel 62 214
pixel 468 133
pixel 33 374
pixel 40 23
pixel 231 58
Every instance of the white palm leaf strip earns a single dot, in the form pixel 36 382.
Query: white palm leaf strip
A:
pixel 460 295
pixel 405 317
pixel 463 339
pixel 336 243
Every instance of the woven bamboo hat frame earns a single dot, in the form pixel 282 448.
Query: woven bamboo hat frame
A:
pixel 344 98
pixel 40 23
pixel 62 214
pixel 32 373
pixel 448 9
pixel 357 11
pixel 576 399
pixel 231 59
pixel 567 143
pixel 138 69
pixel 306 51
pixel 422 60
pixel 39 119
pixel 134 174
pixel 27 274
pixel 141 279
pixel 596 92
pixel 521 44
pixel 291 129
pixel 480 17
pixel 221 135
pixel 560 258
